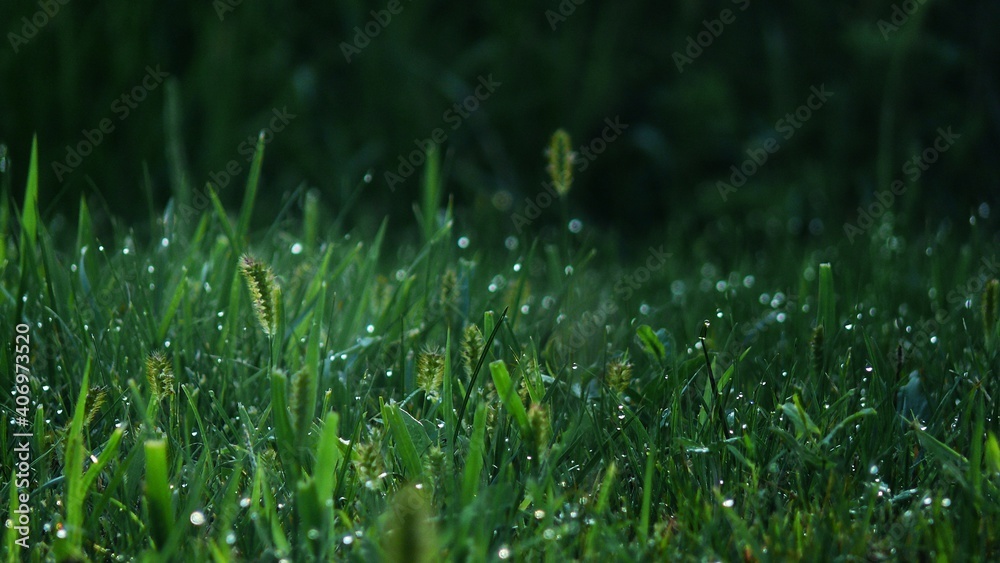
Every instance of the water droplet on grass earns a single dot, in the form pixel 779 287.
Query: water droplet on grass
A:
pixel 197 518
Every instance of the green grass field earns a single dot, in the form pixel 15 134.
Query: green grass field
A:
pixel 210 390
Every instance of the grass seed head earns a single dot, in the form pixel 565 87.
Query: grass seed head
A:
pixel 430 371
pixel 409 533
pixel 367 461
pixel 561 159
pixel 541 430
pixel 160 375
pixel 96 397
pixel 298 402
pixel 264 292
pixel 449 294
pixel 618 374
pixel 816 351
pixel 472 348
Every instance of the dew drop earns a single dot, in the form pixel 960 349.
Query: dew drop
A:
pixel 197 518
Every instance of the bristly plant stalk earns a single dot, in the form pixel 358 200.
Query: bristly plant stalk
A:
pixel 265 295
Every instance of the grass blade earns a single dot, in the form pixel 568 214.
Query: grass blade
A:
pixel 508 395
pixel 158 503
pixel 250 194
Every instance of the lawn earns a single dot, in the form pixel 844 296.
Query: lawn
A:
pixel 215 388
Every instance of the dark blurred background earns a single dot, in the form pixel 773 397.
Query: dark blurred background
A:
pixel 558 64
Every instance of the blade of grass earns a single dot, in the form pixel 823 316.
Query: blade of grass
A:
pixel 250 194
pixel 158 502
pixel 474 460
pixel 404 442
pixel 508 395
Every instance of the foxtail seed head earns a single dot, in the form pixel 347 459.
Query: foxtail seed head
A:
pixel 96 397
pixel 816 351
pixel 160 375
pixel 619 374
pixel 472 348
pixel 298 403
pixel 541 430
pixel 264 292
pixel 430 371
pixel 561 158
pixel 449 294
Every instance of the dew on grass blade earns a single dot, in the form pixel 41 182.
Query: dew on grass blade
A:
pixel 463 242
pixel 197 518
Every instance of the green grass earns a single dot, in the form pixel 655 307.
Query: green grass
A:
pixel 367 420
